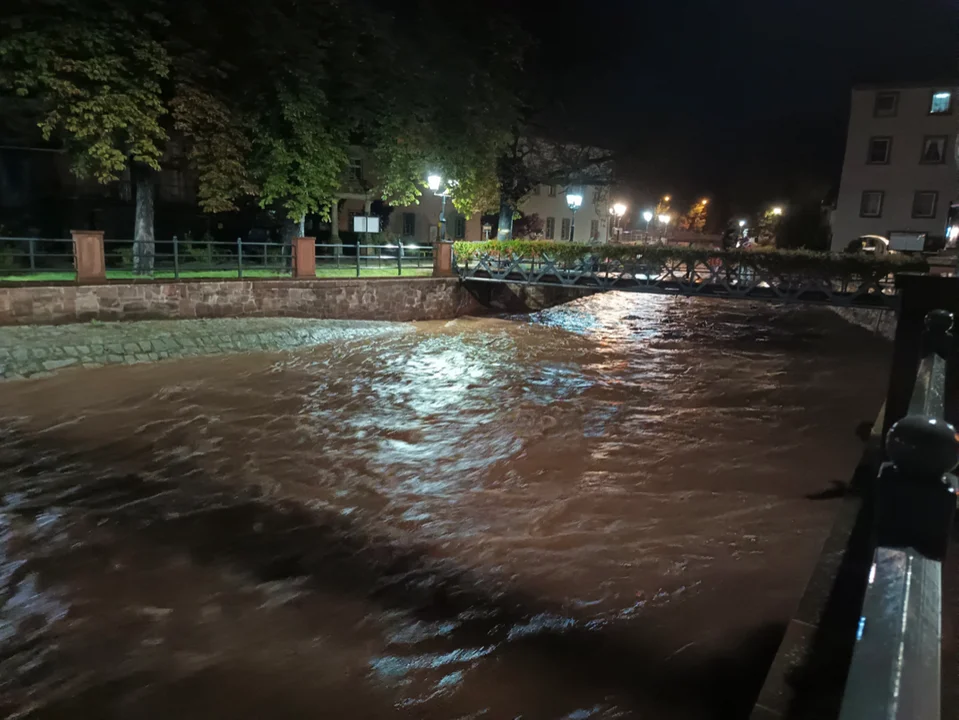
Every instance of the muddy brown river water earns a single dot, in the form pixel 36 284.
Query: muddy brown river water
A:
pixel 608 510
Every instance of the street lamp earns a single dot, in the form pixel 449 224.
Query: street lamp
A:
pixel 777 210
pixel 667 198
pixel 574 199
pixel 617 211
pixel 434 182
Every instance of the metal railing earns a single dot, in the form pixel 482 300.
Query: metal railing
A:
pixel 896 665
pixel 36 258
pixel 358 260
pixel 44 259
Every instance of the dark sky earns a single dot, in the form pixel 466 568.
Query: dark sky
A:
pixel 743 99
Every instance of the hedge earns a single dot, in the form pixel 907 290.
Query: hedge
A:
pixel 769 259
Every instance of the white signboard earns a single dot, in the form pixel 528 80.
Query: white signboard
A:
pixel 365 224
pixel 907 241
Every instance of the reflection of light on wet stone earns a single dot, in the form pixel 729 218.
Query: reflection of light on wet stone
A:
pixel 541 624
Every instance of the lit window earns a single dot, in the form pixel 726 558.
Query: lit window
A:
pixel 550 228
pixel 564 229
pixel 924 204
pixel 460 231
pixel 879 150
pixel 887 103
pixel 941 103
pixel 552 191
pixel 871 204
pixel 409 224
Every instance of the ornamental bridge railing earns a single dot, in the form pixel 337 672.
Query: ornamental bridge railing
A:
pixel 742 275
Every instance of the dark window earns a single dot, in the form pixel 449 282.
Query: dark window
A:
pixel 550 228
pixel 460 231
pixel 887 103
pixel 356 168
pixel 409 223
pixel 871 204
pixel 552 191
pixel 941 103
pixel 597 195
pixel 924 204
pixel 536 189
pixel 879 148
pixel 934 149
pixel 594 229
pixel 564 229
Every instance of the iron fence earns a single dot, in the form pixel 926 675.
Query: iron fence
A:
pixel 399 258
pixel 36 258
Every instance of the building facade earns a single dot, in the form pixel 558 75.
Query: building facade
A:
pixel 899 176
pixel 591 220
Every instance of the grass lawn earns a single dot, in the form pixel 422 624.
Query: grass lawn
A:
pixel 322 272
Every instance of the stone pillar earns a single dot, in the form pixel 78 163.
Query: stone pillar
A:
pixel 442 259
pixel 88 256
pixel 304 258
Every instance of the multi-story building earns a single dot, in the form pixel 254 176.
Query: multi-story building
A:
pixel 899 177
pixel 591 220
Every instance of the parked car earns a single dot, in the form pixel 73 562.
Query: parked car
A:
pixel 870 244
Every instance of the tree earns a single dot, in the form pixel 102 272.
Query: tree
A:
pixel 768 227
pixel 97 71
pixel 695 219
pixel 529 227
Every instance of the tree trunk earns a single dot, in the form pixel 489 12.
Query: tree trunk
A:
pixel 335 227
pixel 289 230
pixel 504 228
pixel 144 241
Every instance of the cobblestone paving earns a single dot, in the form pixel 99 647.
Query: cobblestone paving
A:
pixel 26 351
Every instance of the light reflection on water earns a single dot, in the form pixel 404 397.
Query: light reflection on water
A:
pixel 560 516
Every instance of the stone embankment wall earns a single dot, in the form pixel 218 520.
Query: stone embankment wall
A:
pixel 400 299
pixel 881 322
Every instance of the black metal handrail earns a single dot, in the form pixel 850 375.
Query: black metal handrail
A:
pixel 896 666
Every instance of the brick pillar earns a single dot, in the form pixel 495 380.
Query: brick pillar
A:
pixel 304 257
pixel 442 259
pixel 88 256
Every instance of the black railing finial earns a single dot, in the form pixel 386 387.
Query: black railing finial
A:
pixel 922 447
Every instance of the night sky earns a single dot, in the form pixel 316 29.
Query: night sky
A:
pixel 744 99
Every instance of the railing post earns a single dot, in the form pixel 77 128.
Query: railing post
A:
pixel 357 257
pixel 176 258
pixel 304 258
pixel 88 256
pixel 239 257
pixel 399 257
pixel 442 259
pixel 32 249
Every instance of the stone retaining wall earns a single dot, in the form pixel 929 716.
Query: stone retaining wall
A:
pixel 880 322
pixel 399 299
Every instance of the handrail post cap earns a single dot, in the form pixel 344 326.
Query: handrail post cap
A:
pixel 938 321
pixel 923 446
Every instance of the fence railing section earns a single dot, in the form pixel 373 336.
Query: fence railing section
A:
pixel 393 258
pixel 24 259
pixel 717 277
pixel 35 257
pixel 896 666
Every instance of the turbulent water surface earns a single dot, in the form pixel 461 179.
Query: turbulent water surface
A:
pixel 607 510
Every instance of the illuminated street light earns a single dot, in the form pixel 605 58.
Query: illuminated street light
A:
pixel 664 219
pixel 777 210
pixel 433 182
pixel 704 201
pixel 667 198
pixel 575 201
pixel 742 223
pixel 619 209
pixel 648 216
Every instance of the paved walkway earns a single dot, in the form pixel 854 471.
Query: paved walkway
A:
pixel 33 350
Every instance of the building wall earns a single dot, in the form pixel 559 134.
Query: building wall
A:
pixel 595 209
pixel 904 174
pixel 425 220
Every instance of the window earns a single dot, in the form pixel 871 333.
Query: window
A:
pixel 594 229
pixel 941 103
pixel 460 231
pixel 552 191
pixel 550 228
pixel 564 229
pixel 536 189
pixel 597 195
pixel 934 149
pixel 356 169
pixel 879 148
pixel 871 204
pixel 409 224
pixel 924 204
pixel 887 103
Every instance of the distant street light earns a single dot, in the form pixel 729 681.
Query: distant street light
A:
pixel 704 201
pixel 664 219
pixel 742 223
pixel 667 198
pixel 434 182
pixel 777 210
pixel 617 210
pixel 574 199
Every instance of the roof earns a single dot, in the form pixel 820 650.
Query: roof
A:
pixel 909 84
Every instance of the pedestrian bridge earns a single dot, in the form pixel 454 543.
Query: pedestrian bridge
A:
pixel 845 282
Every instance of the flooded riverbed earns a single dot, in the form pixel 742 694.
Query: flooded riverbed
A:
pixel 608 510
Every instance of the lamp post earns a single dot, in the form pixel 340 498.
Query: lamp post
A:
pixel 617 211
pixel 777 210
pixel 574 199
pixel 664 219
pixel 648 216
pixel 434 182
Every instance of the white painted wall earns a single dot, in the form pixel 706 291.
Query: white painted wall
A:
pixel 595 208
pixel 904 175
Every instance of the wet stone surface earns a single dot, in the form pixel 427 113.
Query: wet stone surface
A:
pixel 26 351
